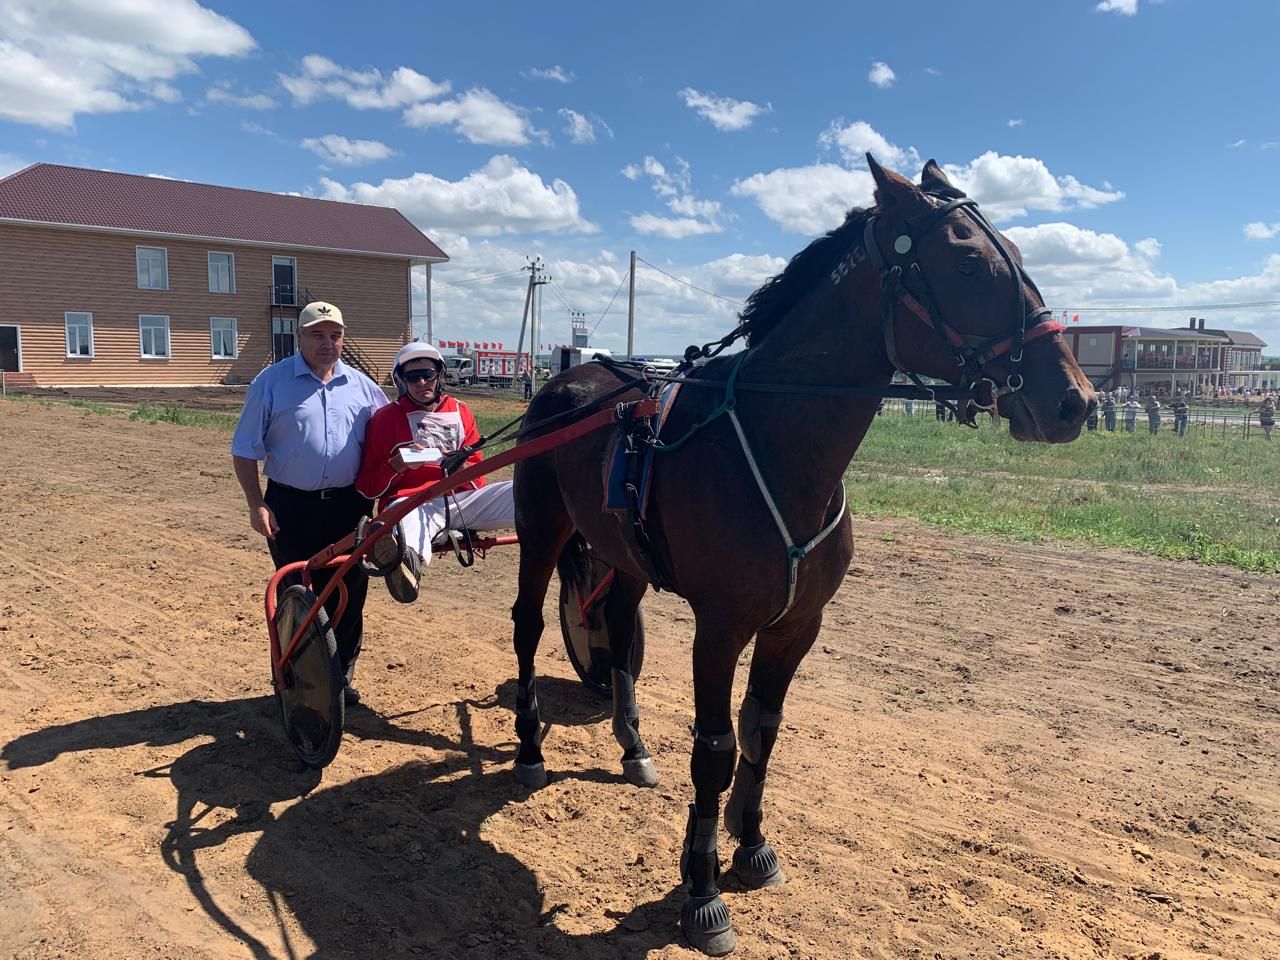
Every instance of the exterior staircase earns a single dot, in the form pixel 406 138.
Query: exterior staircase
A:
pixel 352 354
pixel 16 381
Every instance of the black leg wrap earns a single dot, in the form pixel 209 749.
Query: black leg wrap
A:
pixel 757 728
pixel 626 715
pixel 712 765
pixel 742 813
pixel 529 768
pixel 700 852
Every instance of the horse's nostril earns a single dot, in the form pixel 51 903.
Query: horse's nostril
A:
pixel 1075 406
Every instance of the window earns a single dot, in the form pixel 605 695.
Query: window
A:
pixel 222 272
pixel 222 334
pixel 1093 341
pixel 154 335
pixel 79 334
pixel 153 268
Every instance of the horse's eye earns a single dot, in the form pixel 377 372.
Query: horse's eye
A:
pixel 967 268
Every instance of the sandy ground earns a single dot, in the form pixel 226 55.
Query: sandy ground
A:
pixel 993 750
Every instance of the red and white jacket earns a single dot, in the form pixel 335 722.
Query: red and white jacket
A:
pixel 447 428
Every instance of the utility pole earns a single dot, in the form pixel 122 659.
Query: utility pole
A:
pixel 631 310
pixel 536 279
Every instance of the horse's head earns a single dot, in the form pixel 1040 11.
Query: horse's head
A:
pixel 963 309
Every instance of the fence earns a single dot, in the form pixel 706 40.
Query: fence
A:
pixel 1227 423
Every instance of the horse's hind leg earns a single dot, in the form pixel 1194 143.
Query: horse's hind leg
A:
pixel 620 612
pixel 773 665
pixel 544 528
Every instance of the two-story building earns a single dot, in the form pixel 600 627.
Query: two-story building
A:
pixel 1192 358
pixel 121 280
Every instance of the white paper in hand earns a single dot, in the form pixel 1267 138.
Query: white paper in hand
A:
pixel 416 456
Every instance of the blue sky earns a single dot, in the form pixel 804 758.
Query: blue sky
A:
pixel 1129 147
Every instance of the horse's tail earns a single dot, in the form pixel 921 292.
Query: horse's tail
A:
pixel 574 563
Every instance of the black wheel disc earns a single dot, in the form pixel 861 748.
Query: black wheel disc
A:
pixel 588 645
pixel 310 685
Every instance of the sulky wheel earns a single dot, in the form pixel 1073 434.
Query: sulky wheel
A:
pixel 588 646
pixel 310 685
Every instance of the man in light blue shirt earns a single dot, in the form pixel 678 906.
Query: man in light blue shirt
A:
pixel 304 418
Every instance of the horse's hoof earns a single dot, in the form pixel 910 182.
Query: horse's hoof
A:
pixel 757 867
pixel 705 924
pixel 531 775
pixel 641 773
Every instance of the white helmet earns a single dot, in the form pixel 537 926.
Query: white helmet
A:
pixel 415 351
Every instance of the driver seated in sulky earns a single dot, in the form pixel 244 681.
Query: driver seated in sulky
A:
pixel 424 424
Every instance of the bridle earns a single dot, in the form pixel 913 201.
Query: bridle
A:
pixel 903 282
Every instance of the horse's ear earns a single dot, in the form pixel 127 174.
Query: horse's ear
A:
pixel 895 194
pixel 934 181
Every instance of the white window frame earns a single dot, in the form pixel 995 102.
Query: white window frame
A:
pixel 168 340
pixel 66 329
pixel 231 270
pixel 235 338
pixel 137 264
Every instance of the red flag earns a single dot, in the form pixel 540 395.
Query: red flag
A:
pixel 1076 318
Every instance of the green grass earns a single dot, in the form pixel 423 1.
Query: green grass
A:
pixel 148 413
pixel 1206 499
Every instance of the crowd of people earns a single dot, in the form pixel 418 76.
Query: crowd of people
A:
pixel 1126 404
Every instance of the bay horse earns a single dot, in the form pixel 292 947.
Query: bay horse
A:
pixel 744 478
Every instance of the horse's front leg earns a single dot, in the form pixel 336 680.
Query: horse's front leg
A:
pixel 704 918
pixel 777 656
pixel 621 614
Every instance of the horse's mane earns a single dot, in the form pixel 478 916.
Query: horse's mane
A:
pixel 778 295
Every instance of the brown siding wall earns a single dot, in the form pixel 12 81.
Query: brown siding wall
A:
pixel 45 273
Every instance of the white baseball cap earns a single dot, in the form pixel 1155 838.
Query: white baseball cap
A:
pixel 319 312
pixel 418 351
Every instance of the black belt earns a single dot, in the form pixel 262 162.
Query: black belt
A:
pixel 328 493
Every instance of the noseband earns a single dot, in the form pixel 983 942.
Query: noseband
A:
pixel 973 353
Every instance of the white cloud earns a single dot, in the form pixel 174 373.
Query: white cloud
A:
pixel 725 113
pixel 1013 123
pixel 1237 144
pixel 10 164
pixel 579 128
pixel 693 216
pixel 933 71
pixel 807 200
pixel 857 139
pixel 347 153
pixel 222 93
pixel 670 314
pixel 1127 8
pixel 815 198
pixel 477 115
pixel 501 197
pixel 672 228
pixel 322 79
pixel 1261 231
pixel 1009 187
pixel 68 57
pixel 557 73
pixel 249 126
pixel 881 75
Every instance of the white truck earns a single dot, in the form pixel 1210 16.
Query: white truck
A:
pixel 494 367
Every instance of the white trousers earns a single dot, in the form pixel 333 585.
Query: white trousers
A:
pixel 492 507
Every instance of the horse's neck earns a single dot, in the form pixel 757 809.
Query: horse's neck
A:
pixel 807 440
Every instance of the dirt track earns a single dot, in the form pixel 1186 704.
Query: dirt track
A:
pixel 993 751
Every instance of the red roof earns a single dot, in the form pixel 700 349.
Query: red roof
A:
pixel 52 193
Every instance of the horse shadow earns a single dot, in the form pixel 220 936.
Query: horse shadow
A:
pixel 384 866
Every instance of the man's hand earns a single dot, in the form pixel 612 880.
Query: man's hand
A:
pixel 263 521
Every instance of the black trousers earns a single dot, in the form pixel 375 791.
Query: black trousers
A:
pixel 310 521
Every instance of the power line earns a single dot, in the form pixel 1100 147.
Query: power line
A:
pixel 611 299
pixel 490 276
pixel 688 284
pixel 1137 308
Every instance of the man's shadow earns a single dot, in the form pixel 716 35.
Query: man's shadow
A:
pixel 392 864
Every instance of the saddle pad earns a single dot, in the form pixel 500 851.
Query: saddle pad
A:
pixel 615 461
